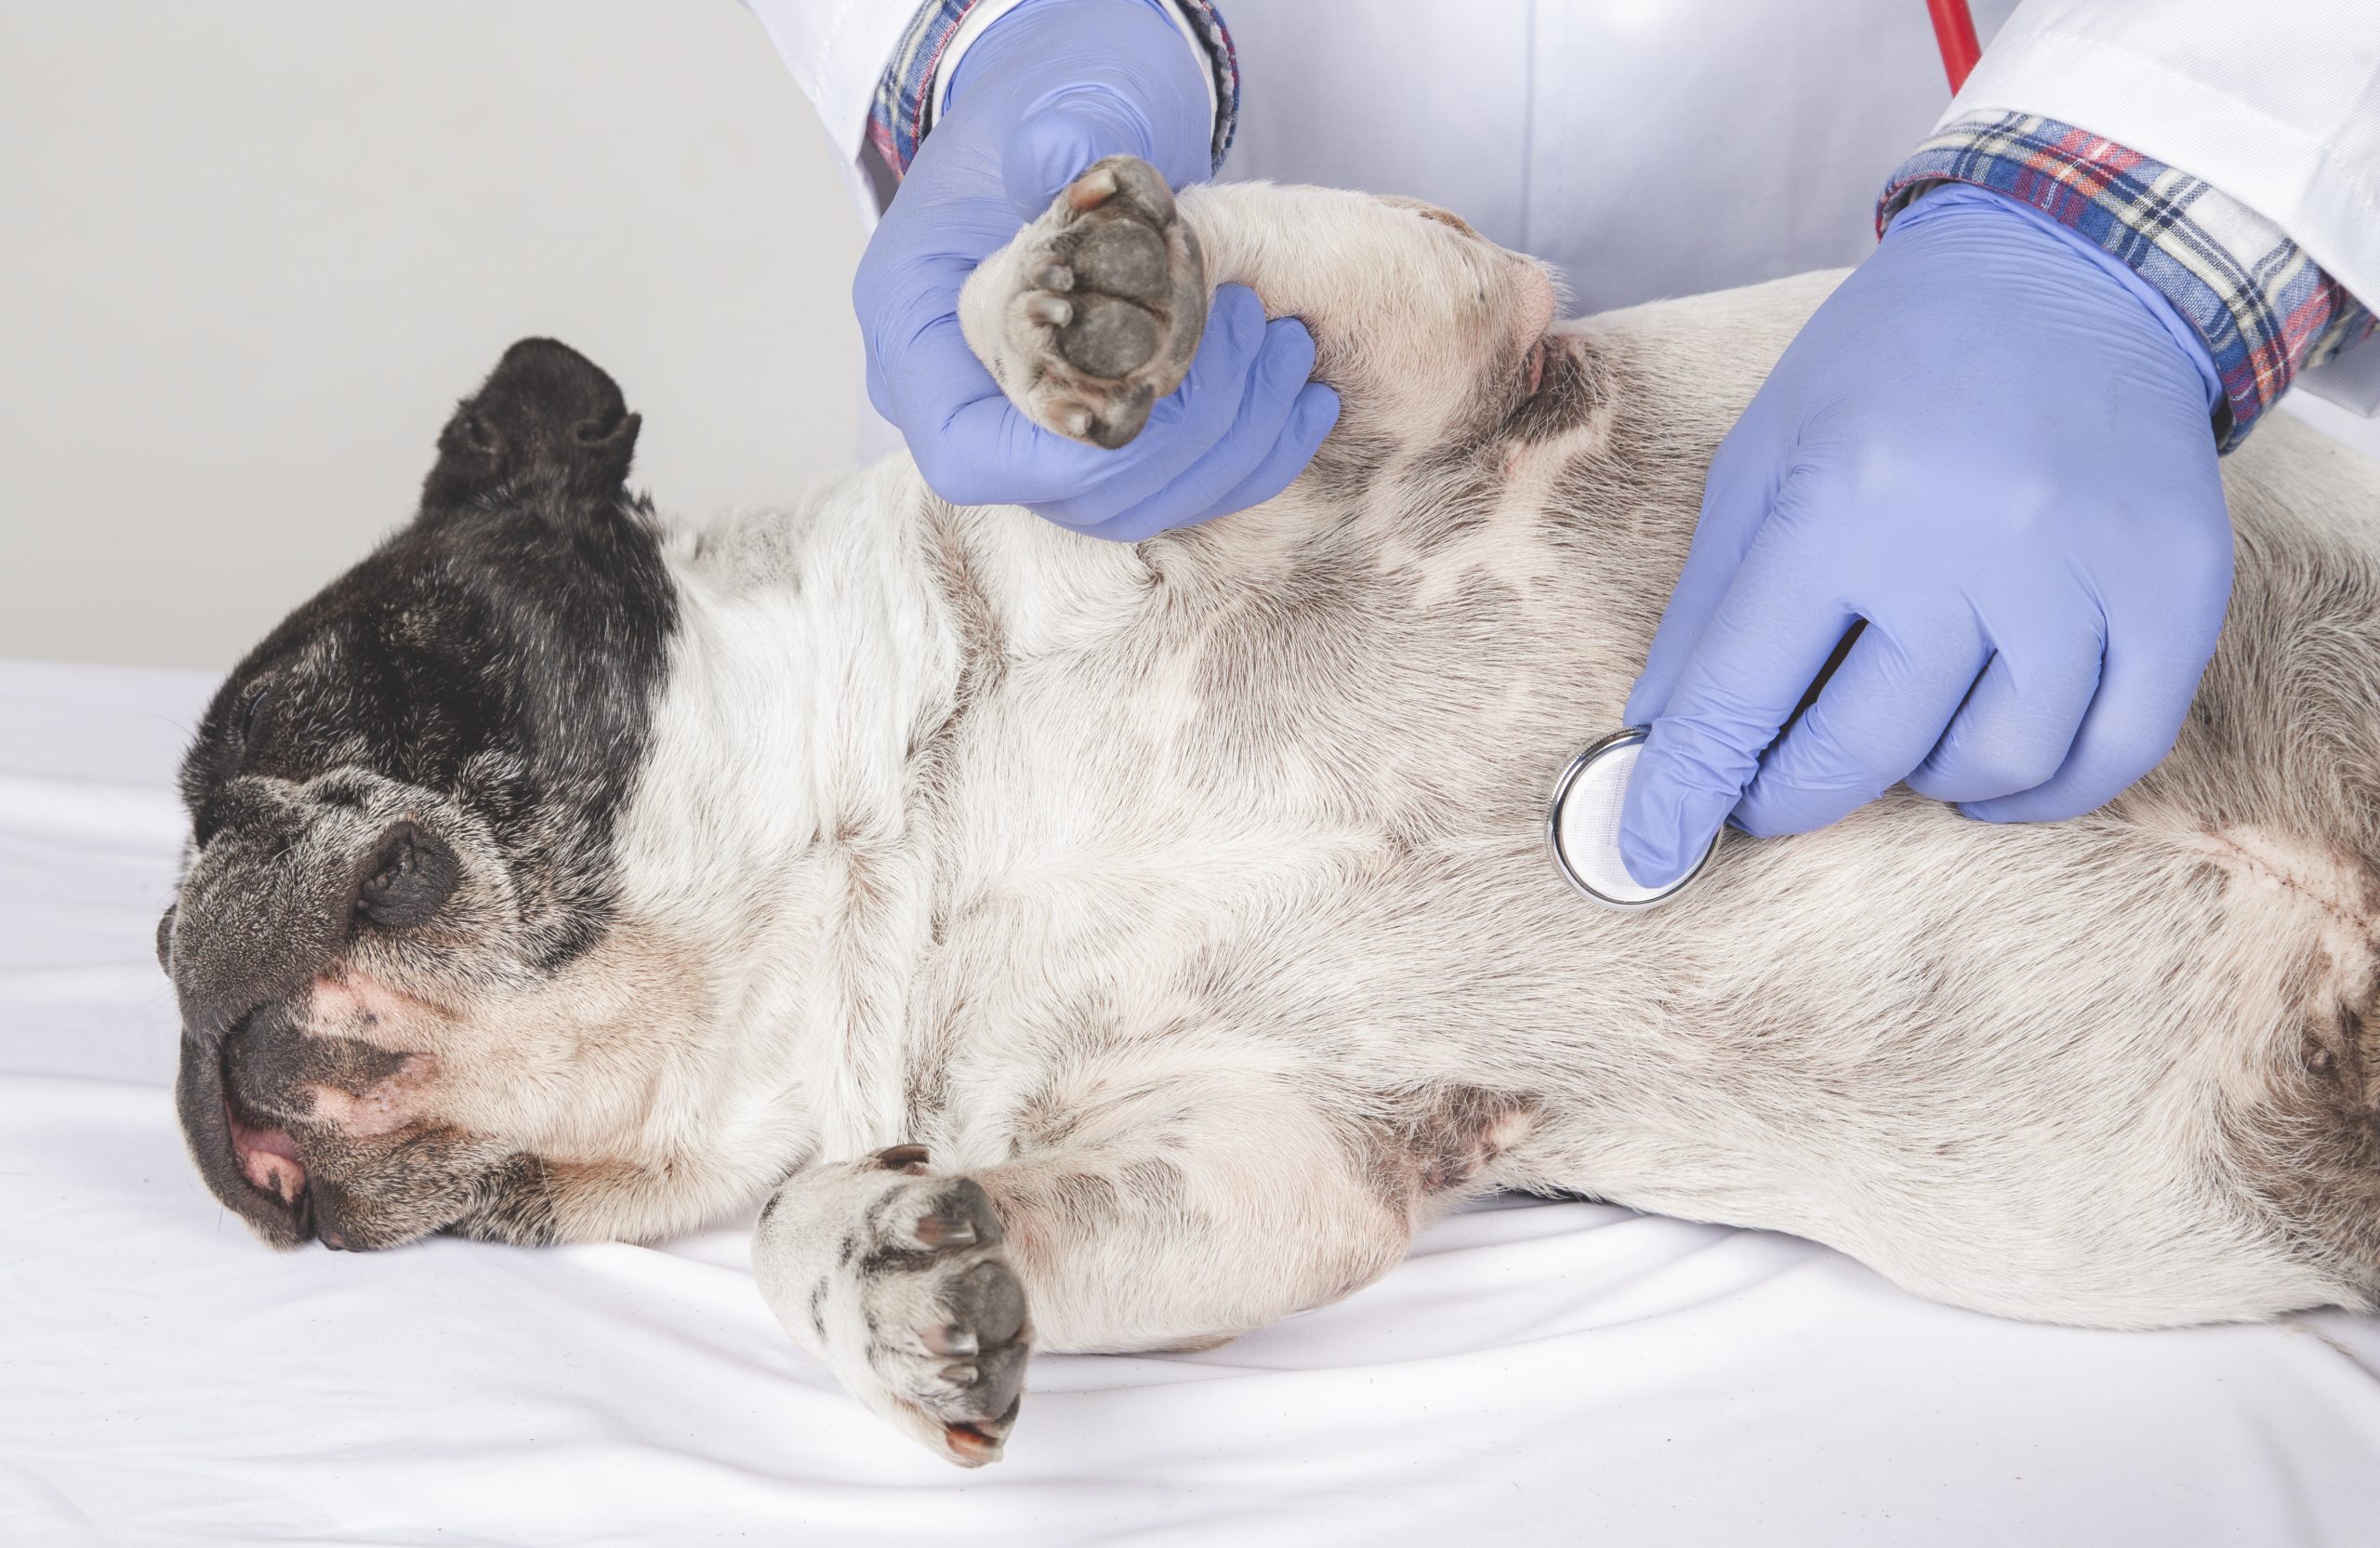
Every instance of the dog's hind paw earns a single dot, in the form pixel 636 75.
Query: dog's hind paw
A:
pixel 1094 311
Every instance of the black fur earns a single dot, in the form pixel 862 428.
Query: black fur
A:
pixel 506 647
pixel 545 409
pixel 503 651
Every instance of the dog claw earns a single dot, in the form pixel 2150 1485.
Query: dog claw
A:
pixel 902 1157
pixel 951 1338
pixel 946 1231
pixel 1092 190
pixel 971 1447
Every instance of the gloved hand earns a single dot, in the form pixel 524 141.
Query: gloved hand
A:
pixel 1992 444
pixel 1048 89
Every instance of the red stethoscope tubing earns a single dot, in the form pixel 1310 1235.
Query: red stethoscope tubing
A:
pixel 1954 31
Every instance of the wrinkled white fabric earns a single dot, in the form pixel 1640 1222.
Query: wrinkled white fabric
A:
pixel 1539 1374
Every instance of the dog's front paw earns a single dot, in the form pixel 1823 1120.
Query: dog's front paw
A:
pixel 902 1281
pixel 944 1313
pixel 1094 311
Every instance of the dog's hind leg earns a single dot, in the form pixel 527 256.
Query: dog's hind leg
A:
pixel 2309 1140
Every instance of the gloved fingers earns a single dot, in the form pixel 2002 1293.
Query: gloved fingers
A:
pixel 1878 715
pixel 1061 136
pixel 2016 730
pixel 1120 70
pixel 908 317
pixel 975 447
pixel 1267 425
pixel 2160 636
pixel 1767 642
pixel 1737 494
pixel 1046 90
pixel 1196 417
pixel 1312 415
pixel 968 441
pixel 2145 693
pixel 971 443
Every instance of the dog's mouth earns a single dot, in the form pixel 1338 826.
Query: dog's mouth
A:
pixel 267 1158
pixel 250 1163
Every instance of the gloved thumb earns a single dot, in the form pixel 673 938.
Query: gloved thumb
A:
pixel 1707 734
pixel 1061 135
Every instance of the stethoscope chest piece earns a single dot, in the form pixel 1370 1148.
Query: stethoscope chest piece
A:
pixel 1582 826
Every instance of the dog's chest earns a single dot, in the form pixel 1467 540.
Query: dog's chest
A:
pixel 1220 803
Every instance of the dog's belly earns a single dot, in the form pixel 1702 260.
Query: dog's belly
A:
pixel 2018 1069
pixel 2107 1071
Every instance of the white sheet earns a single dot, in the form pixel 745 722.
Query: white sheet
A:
pixel 1551 1373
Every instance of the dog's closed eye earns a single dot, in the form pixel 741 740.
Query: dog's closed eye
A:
pixel 252 710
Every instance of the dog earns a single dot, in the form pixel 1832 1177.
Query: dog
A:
pixel 1110 948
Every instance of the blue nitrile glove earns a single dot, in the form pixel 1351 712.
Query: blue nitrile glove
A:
pixel 1049 88
pixel 1993 443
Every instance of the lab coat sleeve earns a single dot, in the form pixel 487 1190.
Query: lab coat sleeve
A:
pixel 919 88
pixel 836 51
pixel 2277 104
pixel 2232 159
pixel 875 72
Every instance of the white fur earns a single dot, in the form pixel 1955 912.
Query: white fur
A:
pixel 1191 898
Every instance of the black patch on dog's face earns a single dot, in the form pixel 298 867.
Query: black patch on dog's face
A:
pixel 502 654
pixel 505 648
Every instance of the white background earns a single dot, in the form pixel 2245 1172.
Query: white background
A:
pixel 251 252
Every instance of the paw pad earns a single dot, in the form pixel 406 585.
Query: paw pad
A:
pixel 1112 303
pixel 949 1329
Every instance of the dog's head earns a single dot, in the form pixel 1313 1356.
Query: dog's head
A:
pixel 402 807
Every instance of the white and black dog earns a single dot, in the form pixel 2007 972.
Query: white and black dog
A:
pixel 1118 947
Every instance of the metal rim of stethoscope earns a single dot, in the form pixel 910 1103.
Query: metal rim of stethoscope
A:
pixel 1626 736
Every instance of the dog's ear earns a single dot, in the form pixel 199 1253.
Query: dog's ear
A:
pixel 545 409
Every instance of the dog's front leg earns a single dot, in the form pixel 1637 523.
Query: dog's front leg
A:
pixel 1157 1223
pixel 900 1281
pixel 1093 313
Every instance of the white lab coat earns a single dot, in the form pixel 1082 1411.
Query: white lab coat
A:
pixel 1663 147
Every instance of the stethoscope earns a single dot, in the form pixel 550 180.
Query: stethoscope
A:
pixel 1583 826
pixel 1582 821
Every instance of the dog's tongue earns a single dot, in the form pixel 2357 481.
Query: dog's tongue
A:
pixel 268 1159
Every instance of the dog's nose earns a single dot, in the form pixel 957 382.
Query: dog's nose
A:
pixel 405 878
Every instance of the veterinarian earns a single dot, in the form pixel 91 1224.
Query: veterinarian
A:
pixel 1995 444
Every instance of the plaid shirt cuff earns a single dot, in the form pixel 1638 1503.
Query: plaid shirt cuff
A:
pixel 2265 310
pixel 904 110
